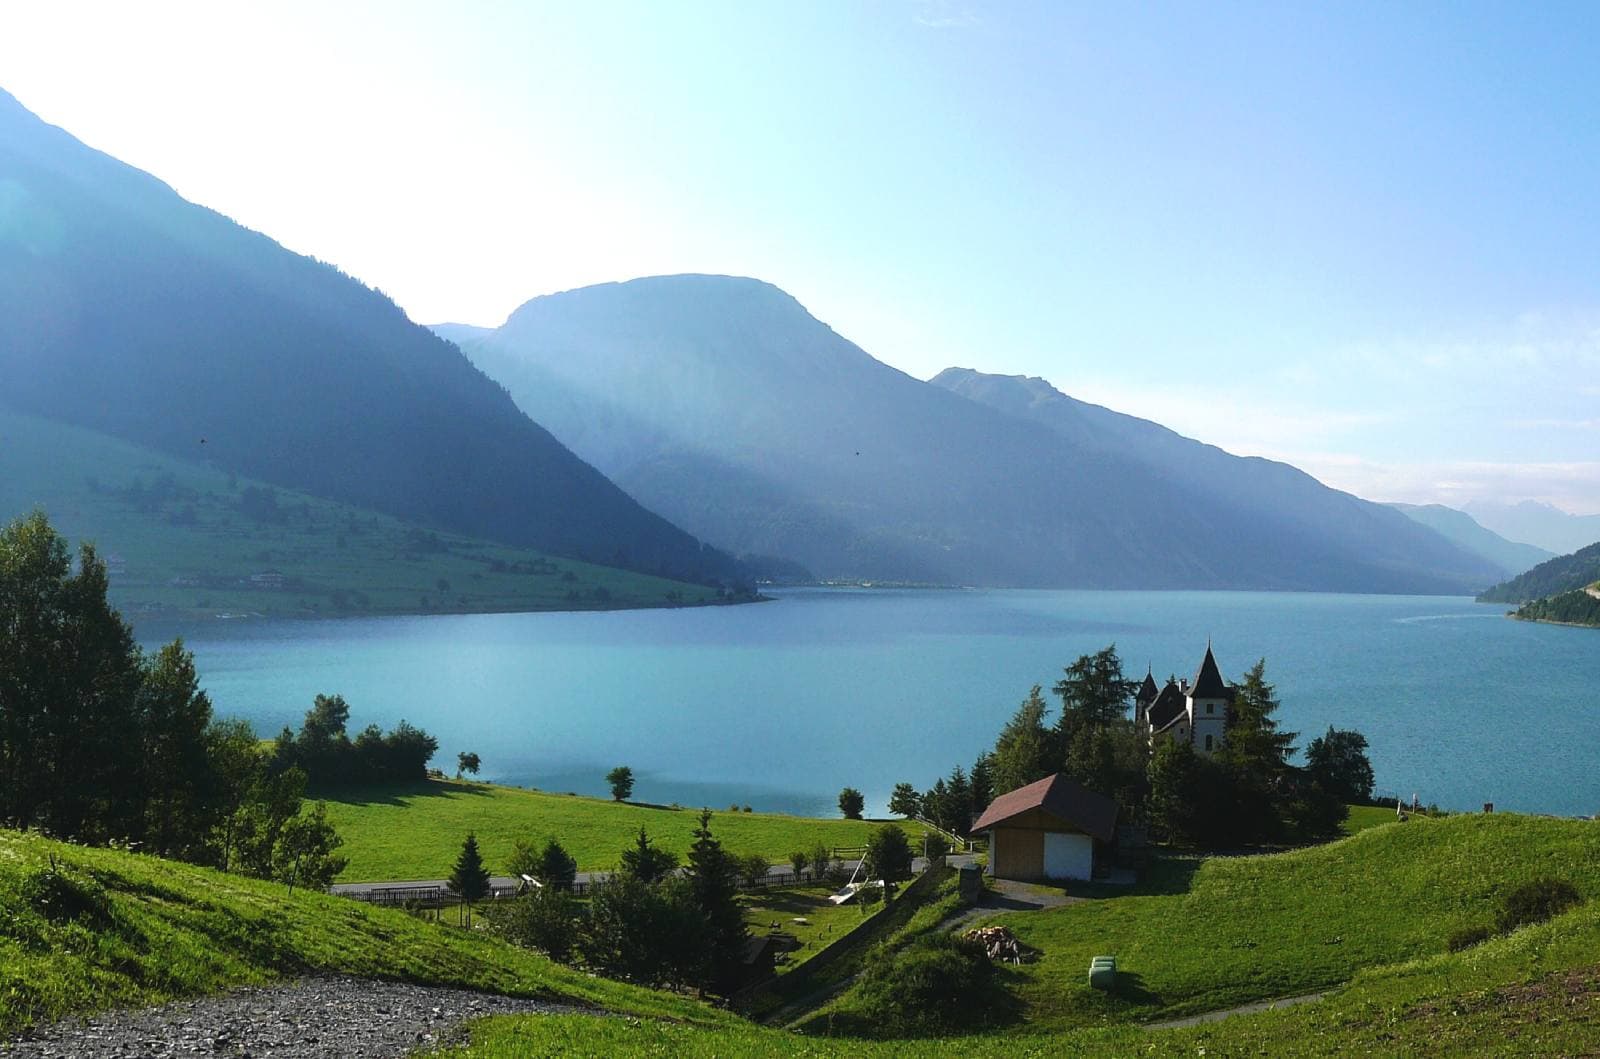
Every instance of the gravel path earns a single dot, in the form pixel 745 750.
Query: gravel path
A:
pixel 312 1018
pixel 1243 1009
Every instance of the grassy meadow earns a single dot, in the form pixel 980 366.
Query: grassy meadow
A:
pixel 1364 918
pixel 1242 929
pixel 415 832
pixel 183 539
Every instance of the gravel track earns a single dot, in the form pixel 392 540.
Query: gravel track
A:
pixel 311 1018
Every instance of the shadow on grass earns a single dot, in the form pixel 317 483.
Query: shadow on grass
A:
pixel 995 1009
pixel 1131 988
pixel 394 793
pixel 1165 875
pixel 652 805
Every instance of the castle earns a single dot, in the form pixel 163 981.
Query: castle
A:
pixel 1196 712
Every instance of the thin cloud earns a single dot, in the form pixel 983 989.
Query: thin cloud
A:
pixel 1573 486
pixel 944 14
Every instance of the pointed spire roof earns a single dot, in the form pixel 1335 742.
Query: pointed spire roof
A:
pixel 1208 682
pixel 1148 690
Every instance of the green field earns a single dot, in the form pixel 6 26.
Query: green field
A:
pixel 1365 917
pixel 1364 816
pixel 1251 928
pixel 108 927
pixel 415 832
pixel 824 921
pixel 183 539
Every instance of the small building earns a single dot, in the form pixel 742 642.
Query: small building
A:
pixel 1051 829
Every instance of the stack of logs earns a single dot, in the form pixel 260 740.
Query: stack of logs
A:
pixel 1001 945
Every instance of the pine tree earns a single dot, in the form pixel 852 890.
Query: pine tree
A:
pixel 647 863
pixel 982 779
pixel 1025 750
pixel 1254 744
pixel 1255 756
pixel 469 880
pixel 712 877
pixel 1093 691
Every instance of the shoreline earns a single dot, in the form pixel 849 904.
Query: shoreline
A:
pixel 134 615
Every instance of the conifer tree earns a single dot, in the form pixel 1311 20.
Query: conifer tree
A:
pixel 712 876
pixel 1024 752
pixel 646 862
pixel 469 880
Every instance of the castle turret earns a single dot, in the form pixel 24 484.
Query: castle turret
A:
pixel 1207 702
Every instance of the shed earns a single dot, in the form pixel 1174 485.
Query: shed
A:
pixel 1051 829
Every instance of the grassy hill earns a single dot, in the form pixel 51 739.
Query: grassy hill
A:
pixel 1365 917
pixel 184 539
pixel 1251 928
pixel 415 832
pixel 83 929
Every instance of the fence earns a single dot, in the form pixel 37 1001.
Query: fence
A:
pixel 438 896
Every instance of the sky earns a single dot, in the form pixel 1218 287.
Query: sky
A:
pixel 1360 237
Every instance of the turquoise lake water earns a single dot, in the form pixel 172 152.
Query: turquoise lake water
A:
pixel 781 704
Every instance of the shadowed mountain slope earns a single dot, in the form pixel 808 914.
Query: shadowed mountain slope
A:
pixel 723 404
pixel 128 310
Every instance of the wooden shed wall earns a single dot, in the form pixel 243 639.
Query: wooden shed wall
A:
pixel 1018 853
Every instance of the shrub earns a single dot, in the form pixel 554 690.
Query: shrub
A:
pixel 1467 937
pixel 1535 902
pixel 889 855
pixel 931 986
pixel 545 919
pixel 652 935
pixel 753 867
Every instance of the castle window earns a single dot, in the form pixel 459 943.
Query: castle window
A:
pixel 1208 742
pixel 1210 706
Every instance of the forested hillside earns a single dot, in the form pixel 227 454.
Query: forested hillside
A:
pixel 1565 573
pixel 127 310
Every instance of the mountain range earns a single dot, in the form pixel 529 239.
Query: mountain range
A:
pixel 1537 523
pixel 1513 557
pixel 722 403
pixel 127 310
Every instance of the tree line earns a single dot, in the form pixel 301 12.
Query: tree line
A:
pixel 653 921
pixel 1248 792
pixel 101 742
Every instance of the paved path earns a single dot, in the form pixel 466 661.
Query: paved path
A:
pixel 364 889
pixel 1243 1009
pixel 1004 895
pixel 311 1018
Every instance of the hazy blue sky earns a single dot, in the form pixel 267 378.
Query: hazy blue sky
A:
pixel 1363 238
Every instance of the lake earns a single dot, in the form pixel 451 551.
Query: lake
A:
pixel 781 704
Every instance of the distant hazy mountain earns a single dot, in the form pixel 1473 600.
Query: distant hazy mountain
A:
pixel 723 404
pixel 1535 523
pixel 1565 573
pixel 127 310
pixel 1511 556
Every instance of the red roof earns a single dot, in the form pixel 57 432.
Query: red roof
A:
pixel 1093 814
